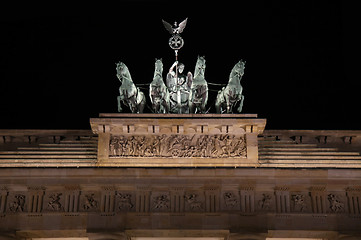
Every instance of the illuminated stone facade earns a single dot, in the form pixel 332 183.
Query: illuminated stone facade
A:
pixel 243 182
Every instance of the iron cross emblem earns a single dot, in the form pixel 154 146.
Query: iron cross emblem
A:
pixel 176 42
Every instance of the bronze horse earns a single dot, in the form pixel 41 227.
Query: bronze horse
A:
pixel 129 94
pixel 158 91
pixel 198 96
pixel 229 96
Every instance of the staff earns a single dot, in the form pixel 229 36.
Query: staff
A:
pixel 176 42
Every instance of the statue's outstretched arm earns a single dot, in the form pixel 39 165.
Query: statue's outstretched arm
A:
pixel 171 69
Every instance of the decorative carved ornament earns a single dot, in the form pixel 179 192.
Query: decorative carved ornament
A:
pixel 184 146
pixel 54 204
pixel 18 204
pixel 187 201
pixel 336 206
pixel 299 203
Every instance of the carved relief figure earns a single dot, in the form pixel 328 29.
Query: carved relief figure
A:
pixel 265 202
pixel 19 203
pixel 299 203
pixel 336 205
pixel 215 146
pixel 125 202
pixel 161 202
pixel 192 201
pixel 90 203
pixel 54 203
pixel 230 200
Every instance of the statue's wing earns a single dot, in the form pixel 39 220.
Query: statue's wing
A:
pixel 182 25
pixel 168 27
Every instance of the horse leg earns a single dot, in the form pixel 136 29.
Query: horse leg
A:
pixel 141 107
pixel 229 104
pixel 141 104
pixel 191 107
pixel 190 101
pixel 204 102
pixel 203 108
pixel 167 101
pixel 132 104
pixel 119 104
pixel 157 107
pixel 218 103
pixel 165 107
pixel 239 109
pixel 218 107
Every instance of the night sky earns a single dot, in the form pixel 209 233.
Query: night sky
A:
pixel 57 63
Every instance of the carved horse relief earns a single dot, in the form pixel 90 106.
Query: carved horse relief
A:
pixel 158 91
pixel 229 96
pixel 198 96
pixel 129 94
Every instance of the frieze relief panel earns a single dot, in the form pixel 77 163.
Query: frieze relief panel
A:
pixel 125 201
pixel 89 201
pixel 160 202
pixel 244 200
pixel 54 201
pixel 230 200
pixel 183 146
pixel 17 202
pixel 336 202
pixel 194 201
pixel 265 201
pixel 300 202
pixel 152 140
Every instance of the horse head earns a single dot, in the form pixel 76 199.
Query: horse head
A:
pixel 158 67
pixel 122 72
pixel 239 68
pixel 200 66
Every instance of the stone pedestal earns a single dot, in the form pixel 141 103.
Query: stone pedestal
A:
pixel 178 140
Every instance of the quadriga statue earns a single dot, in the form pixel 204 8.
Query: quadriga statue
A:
pixel 179 86
pixel 129 94
pixel 228 97
pixel 198 95
pixel 158 91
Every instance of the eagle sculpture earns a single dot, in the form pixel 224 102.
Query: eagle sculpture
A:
pixel 177 29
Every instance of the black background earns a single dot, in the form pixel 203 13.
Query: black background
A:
pixel 57 63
